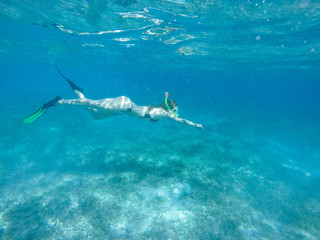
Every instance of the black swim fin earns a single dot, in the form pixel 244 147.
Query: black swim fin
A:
pixel 42 110
pixel 72 84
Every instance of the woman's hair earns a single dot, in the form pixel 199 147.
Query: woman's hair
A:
pixel 171 103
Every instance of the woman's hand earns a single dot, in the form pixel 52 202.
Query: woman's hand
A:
pixel 199 126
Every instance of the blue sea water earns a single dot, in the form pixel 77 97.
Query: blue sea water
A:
pixel 248 71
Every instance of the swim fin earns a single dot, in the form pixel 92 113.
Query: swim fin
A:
pixel 42 110
pixel 72 84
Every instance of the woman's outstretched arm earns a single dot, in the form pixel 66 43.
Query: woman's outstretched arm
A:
pixel 185 121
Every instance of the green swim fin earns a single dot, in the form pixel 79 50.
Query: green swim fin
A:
pixel 36 115
pixel 42 110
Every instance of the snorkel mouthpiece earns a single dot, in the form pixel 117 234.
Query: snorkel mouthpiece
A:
pixel 167 105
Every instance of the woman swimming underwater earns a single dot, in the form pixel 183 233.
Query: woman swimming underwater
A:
pixel 108 107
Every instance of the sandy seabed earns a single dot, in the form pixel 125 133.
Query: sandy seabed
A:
pixel 124 178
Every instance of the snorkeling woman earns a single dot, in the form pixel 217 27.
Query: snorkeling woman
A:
pixel 108 107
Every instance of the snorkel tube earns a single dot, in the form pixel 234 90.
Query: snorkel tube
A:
pixel 167 105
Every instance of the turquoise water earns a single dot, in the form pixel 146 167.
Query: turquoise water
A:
pixel 248 71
